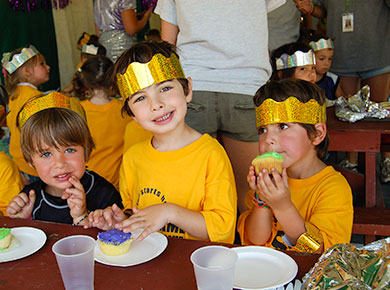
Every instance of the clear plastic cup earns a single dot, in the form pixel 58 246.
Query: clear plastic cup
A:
pixel 75 258
pixel 214 267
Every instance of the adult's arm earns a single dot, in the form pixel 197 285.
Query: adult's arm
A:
pixel 169 32
pixel 308 8
pixel 130 22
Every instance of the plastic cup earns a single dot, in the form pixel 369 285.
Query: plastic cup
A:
pixel 214 267
pixel 75 258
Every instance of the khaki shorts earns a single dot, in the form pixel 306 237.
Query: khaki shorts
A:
pixel 232 115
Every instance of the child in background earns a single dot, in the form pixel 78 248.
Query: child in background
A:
pixel 309 201
pixel 24 70
pixel 179 181
pixel 55 140
pixel 323 49
pixel 93 84
pixel 89 46
pixel 293 61
pixel 10 178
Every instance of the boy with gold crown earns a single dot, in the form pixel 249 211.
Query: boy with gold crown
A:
pixel 309 206
pixel 178 182
pixel 56 141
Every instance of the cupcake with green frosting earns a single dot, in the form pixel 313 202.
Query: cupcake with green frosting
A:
pixel 268 161
pixel 5 238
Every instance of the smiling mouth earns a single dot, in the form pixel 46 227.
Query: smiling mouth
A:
pixel 62 176
pixel 163 118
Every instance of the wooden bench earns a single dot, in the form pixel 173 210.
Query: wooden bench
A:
pixel 371 222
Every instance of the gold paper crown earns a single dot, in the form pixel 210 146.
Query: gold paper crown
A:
pixel 142 75
pixel 90 49
pixel 290 110
pixel 322 43
pixel 299 58
pixel 52 100
pixel 84 40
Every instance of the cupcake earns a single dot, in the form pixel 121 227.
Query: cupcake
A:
pixel 5 238
pixel 267 161
pixel 115 242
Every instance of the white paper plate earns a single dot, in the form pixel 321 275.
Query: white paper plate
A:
pixel 25 241
pixel 140 252
pixel 260 268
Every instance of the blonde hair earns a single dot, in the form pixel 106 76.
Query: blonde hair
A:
pixel 12 80
pixel 55 127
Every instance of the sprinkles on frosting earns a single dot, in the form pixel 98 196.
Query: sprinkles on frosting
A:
pixel 114 236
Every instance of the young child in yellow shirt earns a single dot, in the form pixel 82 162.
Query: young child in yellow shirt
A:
pixel 179 182
pixel 24 70
pixel 92 85
pixel 309 206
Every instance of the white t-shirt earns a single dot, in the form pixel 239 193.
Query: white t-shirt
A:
pixel 223 45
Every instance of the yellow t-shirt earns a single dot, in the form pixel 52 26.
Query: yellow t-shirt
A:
pixel 10 181
pixel 198 177
pixel 324 200
pixel 134 133
pixel 107 128
pixel 22 94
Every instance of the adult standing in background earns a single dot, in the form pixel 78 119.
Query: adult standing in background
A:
pixel 283 25
pixel 361 33
pixel 117 23
pixel 223 47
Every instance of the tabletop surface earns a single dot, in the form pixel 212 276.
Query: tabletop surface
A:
pixel 171 270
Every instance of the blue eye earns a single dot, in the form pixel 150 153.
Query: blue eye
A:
pixel 70 150
pixel 46 154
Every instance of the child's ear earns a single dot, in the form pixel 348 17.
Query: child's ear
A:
pixel 320 133
pixel 189 95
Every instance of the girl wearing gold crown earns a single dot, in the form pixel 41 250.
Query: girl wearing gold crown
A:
pixel 293 61
pixel 308 207
pixel 24 70
pixel 179 182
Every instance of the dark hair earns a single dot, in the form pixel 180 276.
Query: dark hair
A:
pixel 95 73
pixel 153 35
pixel 143 53
pixel 303 91
pixel 289 49
pixel 55 127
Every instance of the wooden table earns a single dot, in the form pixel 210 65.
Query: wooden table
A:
pixel 369 137
pixel 171 270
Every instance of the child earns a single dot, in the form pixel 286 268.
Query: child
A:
pixel 10 178
pixel 293 61
pixel 310 200
pixel 24 70
pixel 179 181
pixel 323 50
pixel 93 84
pixel 55 140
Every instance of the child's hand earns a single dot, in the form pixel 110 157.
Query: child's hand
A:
pixel 21 206
pixel 105 219
pixel 151 219
pixel 75 197
pixel 274 191
pixel 251 178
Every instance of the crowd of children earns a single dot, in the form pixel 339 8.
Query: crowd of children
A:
pixel 90 158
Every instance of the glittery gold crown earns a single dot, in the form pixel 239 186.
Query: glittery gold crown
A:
pixel 51 100
pixel 142 75
pixel 299 58
pixel 322 43
pixel 11 65
pixel 290 111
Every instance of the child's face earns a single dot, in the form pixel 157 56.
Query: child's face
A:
pixel 162 107
pixel 40 73
pixel 306 73
pixel 288 139
pixel 323 60
pixel 56 166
